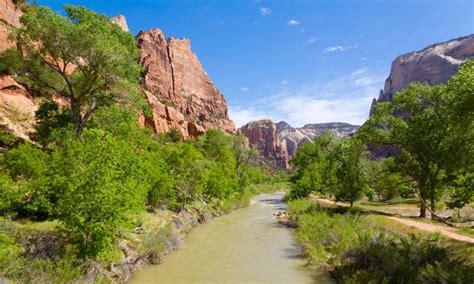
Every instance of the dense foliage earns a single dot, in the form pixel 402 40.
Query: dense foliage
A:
pixel 432 130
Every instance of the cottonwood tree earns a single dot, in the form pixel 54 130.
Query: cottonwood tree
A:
pixel 351 173
pixel 82 57
pixel 434 134
pixel 314 166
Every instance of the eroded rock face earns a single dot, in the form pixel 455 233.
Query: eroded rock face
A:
pixel 9 17
pixel 17 107
pixel 433 65
pixel 263 136
pixel 179 91
pixel 293 137
pixel 121 22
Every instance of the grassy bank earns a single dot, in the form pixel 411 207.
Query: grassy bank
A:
pixel 359 249
pixel 36 251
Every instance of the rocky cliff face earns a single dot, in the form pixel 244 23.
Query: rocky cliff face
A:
pixel 433 65
pixel 17 107
pixel 179 91
pixel 263 136
pixel 293 137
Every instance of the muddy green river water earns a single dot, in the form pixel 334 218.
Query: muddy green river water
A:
pixel 245 246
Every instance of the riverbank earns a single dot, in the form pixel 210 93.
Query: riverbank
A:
pixel 156 234
pixel 363 248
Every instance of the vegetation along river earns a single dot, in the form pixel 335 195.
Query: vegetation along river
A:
pixel 246 246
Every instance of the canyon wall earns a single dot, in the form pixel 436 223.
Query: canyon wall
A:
pixel 432 65
pixel 179 91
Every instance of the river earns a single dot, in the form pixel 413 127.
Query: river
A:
pixel 245 246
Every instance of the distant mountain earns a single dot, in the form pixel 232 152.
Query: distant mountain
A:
pixel 278 142
pixel 293 137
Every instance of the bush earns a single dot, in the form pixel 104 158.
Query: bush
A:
pixel 355 252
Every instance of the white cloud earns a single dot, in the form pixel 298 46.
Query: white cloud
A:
pixel 339 48
pixel 265 11
pixel 244 89
pixel 344 99
pixel 302 30
pixel 362 58
pixel 312 40
pixel 293 23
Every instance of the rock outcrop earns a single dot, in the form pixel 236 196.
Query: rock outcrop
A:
pixel 432 65
pixel 121 21
pixel 263 136
pixel 293 137
pixel 179 91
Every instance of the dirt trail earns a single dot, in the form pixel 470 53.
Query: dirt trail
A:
pixel 446 231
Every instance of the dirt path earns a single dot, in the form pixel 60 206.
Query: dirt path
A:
pixel 446 231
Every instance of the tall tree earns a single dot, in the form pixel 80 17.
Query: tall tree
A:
pixel 432 128
pixel 82 57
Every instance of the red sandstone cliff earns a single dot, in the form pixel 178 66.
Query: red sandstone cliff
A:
pixel 17 107
pixel 432 65
pixel 179 91
pixel 263 136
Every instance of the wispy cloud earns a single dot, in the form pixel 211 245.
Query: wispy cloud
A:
pixel 293 22
pixel 346 98
pixel 339 48
pixel 312 40
pixel 244 89
pixel 362 58
pixel 264 11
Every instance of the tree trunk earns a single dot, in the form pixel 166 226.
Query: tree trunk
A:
pixel 433 198
pixel 422 209
pixel 352 203
pixel 76 117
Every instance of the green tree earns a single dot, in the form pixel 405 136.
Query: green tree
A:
pixel 83 58
pixel 314 166
pixel 352 177
pixel 100 186
pixel 432 128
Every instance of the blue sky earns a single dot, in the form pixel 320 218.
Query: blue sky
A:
pixel 302 61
